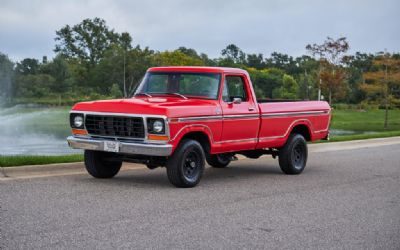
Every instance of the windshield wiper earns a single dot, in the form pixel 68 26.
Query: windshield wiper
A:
pixel 143 94
pixel 180 95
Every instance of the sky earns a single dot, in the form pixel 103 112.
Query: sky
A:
pixel 27 27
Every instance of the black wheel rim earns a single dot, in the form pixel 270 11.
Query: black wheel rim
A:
pixel 298 156
pixel 191 165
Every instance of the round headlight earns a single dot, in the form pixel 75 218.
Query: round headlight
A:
pixel 78 121
pixel 158 126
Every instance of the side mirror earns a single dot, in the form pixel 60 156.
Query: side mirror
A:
pixel 236 100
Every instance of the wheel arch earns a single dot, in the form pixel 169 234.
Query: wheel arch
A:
pixel 303 129
pixel 201 137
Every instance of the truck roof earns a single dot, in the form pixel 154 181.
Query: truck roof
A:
pixel 200 69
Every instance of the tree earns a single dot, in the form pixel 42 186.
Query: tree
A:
pixel 6 77
pixel 231 55
pixel 110 69
pixel 356 65
pixel 383 84
pixel 288 90
pixel 265 81
pixel 176 58
pixel 88 40
pixel 28 66
pixel 331 54
pixel 189 52
pixel 307 69
pixel 59 70
pixel 38 85
pixel 255 61
pixel 281 61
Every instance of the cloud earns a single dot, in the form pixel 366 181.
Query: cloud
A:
pixel 27 28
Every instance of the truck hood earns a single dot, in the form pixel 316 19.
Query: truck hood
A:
pixel 168 106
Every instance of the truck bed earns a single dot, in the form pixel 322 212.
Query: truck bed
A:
pixel 278 118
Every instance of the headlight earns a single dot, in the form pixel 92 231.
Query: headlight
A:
pixel 76 120
pixel 158 126
pixel 155 126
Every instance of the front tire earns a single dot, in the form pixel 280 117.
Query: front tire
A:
pixel 186 166
pixel 218 160
pixel 99 166
pixel 293 156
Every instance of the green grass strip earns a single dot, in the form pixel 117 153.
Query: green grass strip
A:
pixel 17 160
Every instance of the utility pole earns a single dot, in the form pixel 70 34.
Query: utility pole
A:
pixel 125 95
pixel 319 84
pixel 386 89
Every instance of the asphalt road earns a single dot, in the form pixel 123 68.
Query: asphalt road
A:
pixel 345 199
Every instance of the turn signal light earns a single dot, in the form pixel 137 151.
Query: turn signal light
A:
pixel 158 137
pixel 79 132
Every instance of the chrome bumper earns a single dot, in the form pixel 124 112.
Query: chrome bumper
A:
pixel 125 147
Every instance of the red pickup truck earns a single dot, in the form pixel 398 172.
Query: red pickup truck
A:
pixel 180 117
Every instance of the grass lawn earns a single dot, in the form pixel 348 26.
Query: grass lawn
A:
pixel 7 161
pixel 364 124
pixel 371 120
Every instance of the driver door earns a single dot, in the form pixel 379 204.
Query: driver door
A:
pixel 240 114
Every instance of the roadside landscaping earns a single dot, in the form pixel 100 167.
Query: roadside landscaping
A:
pixel 22 160
pixel 346 125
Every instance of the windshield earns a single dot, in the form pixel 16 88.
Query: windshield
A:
pixel 196 85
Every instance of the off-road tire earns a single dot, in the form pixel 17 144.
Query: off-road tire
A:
pixel 99 166
pixel 186 166
pixel 293 156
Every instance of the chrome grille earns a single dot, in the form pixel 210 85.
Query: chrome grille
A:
pixel 117 126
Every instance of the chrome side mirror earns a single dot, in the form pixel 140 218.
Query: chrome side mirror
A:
pixel 236 100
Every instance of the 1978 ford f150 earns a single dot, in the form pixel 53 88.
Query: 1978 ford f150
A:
pixel 180 117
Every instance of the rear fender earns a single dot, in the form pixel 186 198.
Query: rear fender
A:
pixel 303 122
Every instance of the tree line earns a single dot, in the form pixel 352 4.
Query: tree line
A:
pixel 93 61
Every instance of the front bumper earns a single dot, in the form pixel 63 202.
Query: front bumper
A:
pixel 125 147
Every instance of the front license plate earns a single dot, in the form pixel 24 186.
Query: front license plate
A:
pixel 111 146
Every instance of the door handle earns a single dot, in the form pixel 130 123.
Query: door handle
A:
pixel 251 108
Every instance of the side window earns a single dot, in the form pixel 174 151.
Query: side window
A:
pixel 234 87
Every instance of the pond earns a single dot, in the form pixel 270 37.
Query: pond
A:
pixel 339 132
pixel 34 130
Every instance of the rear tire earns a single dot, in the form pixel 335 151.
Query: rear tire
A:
pixel 293 156
pixel 99 166
pixel 186 166
pixel 218 160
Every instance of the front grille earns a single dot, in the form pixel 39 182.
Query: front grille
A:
pixel 117 126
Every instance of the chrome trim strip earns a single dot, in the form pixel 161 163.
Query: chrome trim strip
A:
pixel 321 131
pixel 231 117
pixel 199 118
pixel 216 117
pixel 321 112
pixel 125 147
pixel 250 116
pixel 241 140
